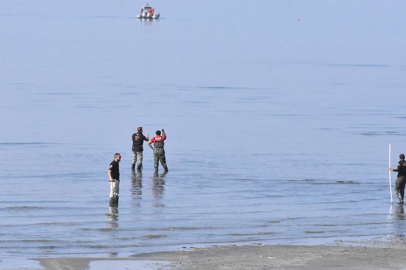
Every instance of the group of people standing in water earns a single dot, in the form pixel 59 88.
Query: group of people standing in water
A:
pixel 138 138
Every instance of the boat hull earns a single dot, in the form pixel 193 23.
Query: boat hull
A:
pixel 142 16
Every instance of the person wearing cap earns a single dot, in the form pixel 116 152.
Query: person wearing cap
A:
pixel 401 178
pixel 138 147
pixel 159 152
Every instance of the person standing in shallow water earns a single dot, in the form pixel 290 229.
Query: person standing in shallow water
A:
pixel 401 178
pixel 114 179
pixel 138 147
pixel 159 152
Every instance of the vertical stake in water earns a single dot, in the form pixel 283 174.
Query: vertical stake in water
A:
pixel 390 175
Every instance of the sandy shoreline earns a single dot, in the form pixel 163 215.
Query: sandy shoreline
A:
pixel 285 257
pixel 248 257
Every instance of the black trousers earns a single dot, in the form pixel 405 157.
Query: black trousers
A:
pixel 400 185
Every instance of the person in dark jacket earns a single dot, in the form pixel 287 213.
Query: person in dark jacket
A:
pixel 401 178
pixel 138 147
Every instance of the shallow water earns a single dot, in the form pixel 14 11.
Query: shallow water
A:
pixel 278 124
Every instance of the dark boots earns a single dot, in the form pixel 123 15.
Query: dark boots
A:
pixel 113 201
pixel 399 196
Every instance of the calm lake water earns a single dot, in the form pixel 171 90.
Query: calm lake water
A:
pixel 278 114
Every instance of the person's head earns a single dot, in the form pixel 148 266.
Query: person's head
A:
pixel 402 156
pixel 117 157
pixel 139 129
pixel 158 132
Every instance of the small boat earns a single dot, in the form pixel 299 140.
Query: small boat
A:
pixel 148 12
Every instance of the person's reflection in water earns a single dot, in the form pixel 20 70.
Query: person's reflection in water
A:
pixel 399 226
pixel 113 217
pixel 400 212
pixel 136 188
pixel 158 184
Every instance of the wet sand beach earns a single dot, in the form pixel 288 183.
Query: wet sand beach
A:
pixel 250 257
pixel 285 257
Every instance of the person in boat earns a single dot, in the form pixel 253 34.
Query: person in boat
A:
pixel 142 10
pixel 150 12
pixel 401 178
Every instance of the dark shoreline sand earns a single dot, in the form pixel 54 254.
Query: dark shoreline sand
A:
pixel 252 257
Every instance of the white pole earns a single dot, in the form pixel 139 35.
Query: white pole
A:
pixel 390 175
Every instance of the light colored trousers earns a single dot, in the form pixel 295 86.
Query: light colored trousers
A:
pixel 137 157
pixel 114 188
